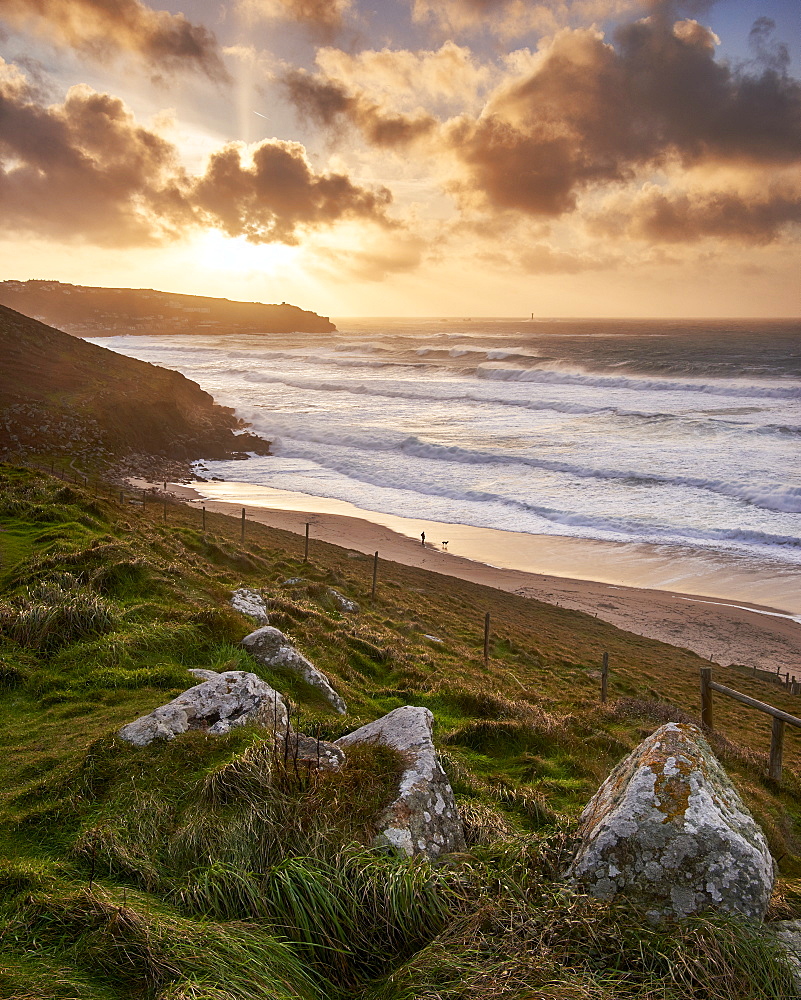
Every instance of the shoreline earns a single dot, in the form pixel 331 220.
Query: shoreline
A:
pixel 720 629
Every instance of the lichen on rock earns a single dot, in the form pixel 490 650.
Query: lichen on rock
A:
pixel 251 603
pixel 271 647
pixel 668 830
pixel 424 818
pixel 343 604
pixel 220 702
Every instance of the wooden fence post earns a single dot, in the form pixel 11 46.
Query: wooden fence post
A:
pixel 707 716
pixel 243 526
pixel 776 748
pixel 486 638
pixel 306 546
pixel 204 518
pixel 165 510
pixel 375 576
pixel 604 678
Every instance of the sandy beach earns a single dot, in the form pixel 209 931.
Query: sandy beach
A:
pixel 722 629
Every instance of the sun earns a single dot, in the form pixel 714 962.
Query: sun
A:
pixel 235 255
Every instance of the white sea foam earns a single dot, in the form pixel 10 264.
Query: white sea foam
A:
pixel 553 377
pixel 776 497
pixel 685 436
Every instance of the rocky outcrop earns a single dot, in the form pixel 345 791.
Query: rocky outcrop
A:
pixel 272 648
pixel 250 603
pixel 668 830
pixel 424 818
pixel 216 705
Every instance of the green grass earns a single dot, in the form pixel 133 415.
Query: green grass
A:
pixel 206 868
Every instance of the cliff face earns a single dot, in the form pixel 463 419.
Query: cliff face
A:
pixel 105 312
pixel 61 394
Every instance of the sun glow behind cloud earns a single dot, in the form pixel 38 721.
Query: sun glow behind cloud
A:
pixel 215 251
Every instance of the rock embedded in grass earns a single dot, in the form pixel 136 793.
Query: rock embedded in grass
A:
pixel 343 604
pixel 218 704
pixel 309 753
pixel 668 831
pixel 249 602
pixel 788 935
pixel 424 818
pixel 271 648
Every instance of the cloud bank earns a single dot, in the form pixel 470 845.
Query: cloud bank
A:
pixel 102 29
pixel 85 170
pixel 585 115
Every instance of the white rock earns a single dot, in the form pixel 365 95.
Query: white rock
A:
pixel 219 703
pixel 424 818
pixel 249 603
pixel 668 830
pixel 272 648
pixel 204 675
pixel 344 604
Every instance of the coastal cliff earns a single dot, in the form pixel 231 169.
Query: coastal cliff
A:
pixel 107 312
pixel 59 394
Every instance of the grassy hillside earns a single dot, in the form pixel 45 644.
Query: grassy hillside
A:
pixel 206 869
pixel 98 312
pixel 61 395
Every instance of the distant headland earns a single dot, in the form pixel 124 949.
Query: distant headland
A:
pixel 106 312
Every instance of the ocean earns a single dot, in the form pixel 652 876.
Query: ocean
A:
pixel 682 435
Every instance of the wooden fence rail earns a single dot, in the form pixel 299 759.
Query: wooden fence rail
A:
pixel 780 718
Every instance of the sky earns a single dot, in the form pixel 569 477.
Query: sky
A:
pixel 409 157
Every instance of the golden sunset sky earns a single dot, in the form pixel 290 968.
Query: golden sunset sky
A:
pixel 409 157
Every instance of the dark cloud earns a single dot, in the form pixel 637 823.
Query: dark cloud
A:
pixel 687 217
pixel 329 103
pixel 269 198
pixel 686 103
pixel 85 170
pixel 592 114
pixel 103 29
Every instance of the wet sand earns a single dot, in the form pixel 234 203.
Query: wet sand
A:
pixel 694 602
